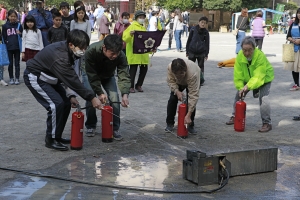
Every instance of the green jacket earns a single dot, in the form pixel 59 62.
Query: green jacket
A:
pixel 98 68
pixel 134 59
pixel 259 72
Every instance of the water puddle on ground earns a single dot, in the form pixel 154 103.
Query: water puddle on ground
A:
pixel 151 172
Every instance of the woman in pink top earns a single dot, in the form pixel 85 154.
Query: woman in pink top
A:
pixel 121 26
pixel 2 12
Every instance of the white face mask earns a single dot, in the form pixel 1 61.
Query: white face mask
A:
pixel 125 21
pixel 141 21
pixel 78 53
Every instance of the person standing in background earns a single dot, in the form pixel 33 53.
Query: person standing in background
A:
pixel 177 29
pixel 121 26
pixel 241 25
pixel 259 29
pixel 169 27
pixel 2 12
pixel 43 19
pixel 66 17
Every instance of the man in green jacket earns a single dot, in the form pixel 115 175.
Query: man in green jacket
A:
pixel 253 71
pixel 101 60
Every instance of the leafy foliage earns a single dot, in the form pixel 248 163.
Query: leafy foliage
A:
pixel 290 5
pixel 144 4
pixel 55 3
pixel 173 4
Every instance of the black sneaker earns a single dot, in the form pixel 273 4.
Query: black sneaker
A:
pixel 117 136
pixel 169 128
pixel 191 130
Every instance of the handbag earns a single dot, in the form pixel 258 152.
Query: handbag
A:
pixel 288 54
pixel 3 54
pixel 235 31
pixel 19 38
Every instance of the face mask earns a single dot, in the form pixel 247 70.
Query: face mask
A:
pixel 125 21
pixel 141 21
pixel 79 53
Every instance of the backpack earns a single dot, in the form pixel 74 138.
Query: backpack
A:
pixel 197 45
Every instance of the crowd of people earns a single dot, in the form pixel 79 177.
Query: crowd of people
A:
pixel 77 67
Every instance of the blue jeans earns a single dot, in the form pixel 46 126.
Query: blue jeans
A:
pixel 177 35
pixel 110 87
pixel 239 38
pixel 45 38
pixel 14 55
pixel 91 116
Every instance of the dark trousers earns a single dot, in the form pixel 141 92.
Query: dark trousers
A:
pixel 172 107
pixel 14 55
pixel 259 42
pixel 170 38
pixel 142 74
pixel 53 98
pixel 199 58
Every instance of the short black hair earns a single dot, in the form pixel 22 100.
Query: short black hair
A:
pixel 113 43
pixel 56 14
pixel 125 14
pixel 78 38
pixel 178 65
pixel 30 18
pixel 204 19
pixel 10 12
pixel 64 4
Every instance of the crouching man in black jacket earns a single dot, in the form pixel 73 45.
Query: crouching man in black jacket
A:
pixel 45 73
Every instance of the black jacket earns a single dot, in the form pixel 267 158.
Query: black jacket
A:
pixel 198 41
pixel 9 32
pixel 56 61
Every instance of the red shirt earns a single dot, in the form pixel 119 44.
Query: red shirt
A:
pixel 3 14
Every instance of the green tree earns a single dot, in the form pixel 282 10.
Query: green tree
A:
pixel 255 4
pixel 173 4
pixel 224 5
pixel 290 6
pixel 55 3
pixel 144 4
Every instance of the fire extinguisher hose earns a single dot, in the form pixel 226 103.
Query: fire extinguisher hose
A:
pixel 143 189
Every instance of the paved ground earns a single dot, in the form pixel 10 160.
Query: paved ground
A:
pixel 148 157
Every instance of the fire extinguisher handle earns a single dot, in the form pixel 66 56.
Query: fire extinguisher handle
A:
pixel 78 108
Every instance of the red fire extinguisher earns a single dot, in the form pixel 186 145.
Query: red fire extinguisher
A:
pixel 240 115
pixel 77 129
pixel 181 129
pixel 107 124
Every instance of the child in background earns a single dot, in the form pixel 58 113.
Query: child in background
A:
pixel 66 17
pixel 32 41
pixel 57 32
pixel 105 22
pixel 10 32
pixel 80 22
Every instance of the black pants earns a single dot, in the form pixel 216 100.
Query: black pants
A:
pixel 199 58
pixel 259 42
pixel 142 74
pixel 14 55
pixel 170 38
pixel 53 98
pixel 172 107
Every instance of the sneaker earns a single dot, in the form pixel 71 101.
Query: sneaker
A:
pixel 191 130
pixel 90 132
pixel 169 128
pixel 265 128
pixel 139 88
pixel 231 121
pixel 17 82
pixel 294 88
pixel 12 81
pixel 117 136
pixel 169 48
pixel 2 82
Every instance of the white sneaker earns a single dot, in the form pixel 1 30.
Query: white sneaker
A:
pixel 90 132
pixel 17 81
pixel 2 82
pixel 12 81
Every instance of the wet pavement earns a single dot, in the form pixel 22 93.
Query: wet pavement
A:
pixel 147 172
pixel 149 159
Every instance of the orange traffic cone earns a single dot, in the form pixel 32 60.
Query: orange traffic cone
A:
pixel 271 31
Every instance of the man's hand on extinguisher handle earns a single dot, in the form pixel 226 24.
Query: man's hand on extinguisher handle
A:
pixel 180 95
pixel 74 102
pixel 97 103
pixel 102 98
pixel 244 91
